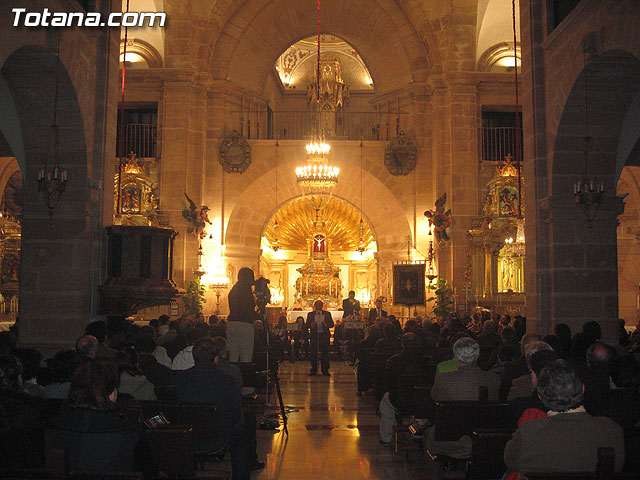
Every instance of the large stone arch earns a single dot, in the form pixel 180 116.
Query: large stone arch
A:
pixel 55 261
pixel 613 79
pixel 259 31
pixel 583 270
pixel 382 201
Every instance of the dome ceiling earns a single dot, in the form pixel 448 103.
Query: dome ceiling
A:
pixel 342 226
pixel 297 65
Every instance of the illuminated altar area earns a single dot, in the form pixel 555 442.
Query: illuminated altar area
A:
pixel 318 258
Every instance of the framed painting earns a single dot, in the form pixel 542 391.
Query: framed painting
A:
pixel 408 284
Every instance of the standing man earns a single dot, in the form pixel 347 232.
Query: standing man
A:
pixel 242 314
pixel 318 324
pixel 350 305
pixel 377 312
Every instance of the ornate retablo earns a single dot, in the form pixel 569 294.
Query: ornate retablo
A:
pixel 319 279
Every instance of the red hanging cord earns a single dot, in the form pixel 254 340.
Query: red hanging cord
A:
pixel 318 66
pixel 518 127
pixel 121 142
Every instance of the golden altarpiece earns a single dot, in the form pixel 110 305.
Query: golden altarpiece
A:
pixel 318 276
pixel 495 269
pixel 135 198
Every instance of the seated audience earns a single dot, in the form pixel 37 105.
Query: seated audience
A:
pixel 522 386
pixel 569 438
pixel 148 364
pixel 132 381
pixel 599 357
pixel 21 418
pixel 408 362
pixel 61 369
pixel 530 407
pixel 300 340
pixel 94 436
pixel 517 367
pixel 206 383
pixel 8 343
pixel 98 329
pixel 87 347
pixel 30 359
pixel 563 332
pixel 184 359
pixel 159 352
pixel 462 385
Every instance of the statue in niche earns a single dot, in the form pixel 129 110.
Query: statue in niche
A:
pixel 198 216
pixel 440 221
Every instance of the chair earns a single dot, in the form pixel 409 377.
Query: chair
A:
pixel 487 454
pixel 171 450
pixel 151 408
pixel 29 473
pixel 166 393
pixel 203 417
pixel 453 420
pixel 604 470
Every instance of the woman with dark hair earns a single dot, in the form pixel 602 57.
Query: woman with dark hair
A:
pixel 92 433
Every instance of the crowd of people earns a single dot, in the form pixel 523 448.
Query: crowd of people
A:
pixel 568 393
pixel 561 387
pixel 77 394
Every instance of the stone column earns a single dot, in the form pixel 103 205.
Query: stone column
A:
pixel 183 167
pixel 537 276
pixel 583 273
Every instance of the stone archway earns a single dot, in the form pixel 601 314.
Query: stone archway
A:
pixel 55 260
pixel 583 270
pixel 245 55
pixel 254 202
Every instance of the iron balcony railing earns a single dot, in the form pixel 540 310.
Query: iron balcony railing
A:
pixel 297 125
pixel 139 138
pixel 498 142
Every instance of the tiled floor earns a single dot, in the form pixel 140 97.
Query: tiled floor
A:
pixel 332 432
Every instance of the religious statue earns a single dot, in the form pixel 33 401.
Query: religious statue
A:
pixel 440 220
pixel 198 216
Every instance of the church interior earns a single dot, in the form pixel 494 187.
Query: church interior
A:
pixel 447 157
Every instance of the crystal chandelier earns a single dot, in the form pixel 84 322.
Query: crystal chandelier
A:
pixel 317 178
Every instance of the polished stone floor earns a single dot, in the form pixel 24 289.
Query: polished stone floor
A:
pixel 332 432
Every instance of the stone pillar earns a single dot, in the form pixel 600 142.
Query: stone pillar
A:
pixel 183 167
pixel 583 270
pixel 535 188
pixel 455 106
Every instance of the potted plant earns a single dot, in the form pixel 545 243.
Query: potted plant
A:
pixel 441 299
pixel 194 297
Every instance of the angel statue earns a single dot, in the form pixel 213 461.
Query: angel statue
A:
pixel 440 221
pixel 199 216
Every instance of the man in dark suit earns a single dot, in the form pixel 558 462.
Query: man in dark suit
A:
pixel 374 313
pixel 569 438
pixel 318 324
pixel 206 383
pixel 350 305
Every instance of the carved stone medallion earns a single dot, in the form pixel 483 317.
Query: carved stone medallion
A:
pixel 400 156
pixel 235 153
